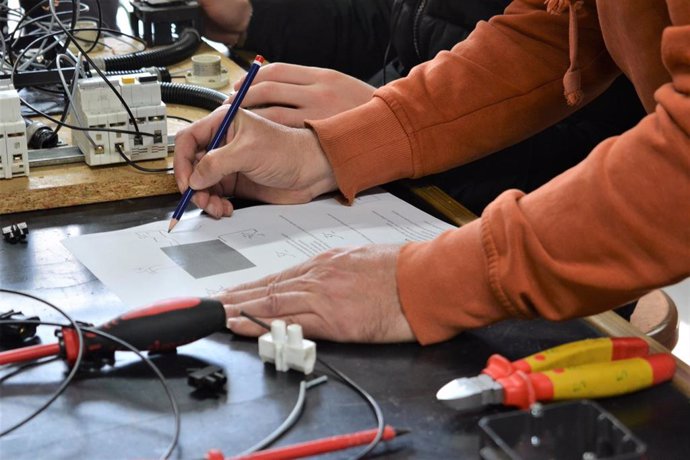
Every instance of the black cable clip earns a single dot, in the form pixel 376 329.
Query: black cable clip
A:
pixel 16 328
pixel 15 233
pixel 209 378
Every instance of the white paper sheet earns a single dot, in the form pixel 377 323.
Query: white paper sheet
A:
pixel 202 255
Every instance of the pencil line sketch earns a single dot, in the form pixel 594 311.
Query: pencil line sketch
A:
pixel 159 237
pixel 146 263
pixel 150 269
pixel 249 234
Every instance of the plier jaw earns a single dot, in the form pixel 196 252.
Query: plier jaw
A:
pixel 466 394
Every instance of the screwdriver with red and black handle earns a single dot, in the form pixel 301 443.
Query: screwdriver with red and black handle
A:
pixel 162 326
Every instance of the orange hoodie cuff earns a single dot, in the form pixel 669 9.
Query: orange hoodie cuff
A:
pixel 366 147
pixel 443 285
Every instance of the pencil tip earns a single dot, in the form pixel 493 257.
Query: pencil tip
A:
pixel 172 224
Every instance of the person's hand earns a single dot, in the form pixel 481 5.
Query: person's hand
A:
pixel 345 295
pixel 261 160
pixel 289 94
pixel 226 21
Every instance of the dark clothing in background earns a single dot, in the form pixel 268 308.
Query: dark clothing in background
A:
pixel 352 36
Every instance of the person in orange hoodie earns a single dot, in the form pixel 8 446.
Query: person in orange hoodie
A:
pixel 597 236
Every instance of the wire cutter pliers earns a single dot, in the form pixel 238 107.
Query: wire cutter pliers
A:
pixel 590 368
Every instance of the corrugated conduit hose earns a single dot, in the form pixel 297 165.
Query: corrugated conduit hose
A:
pixel 183 94
pixel 183 48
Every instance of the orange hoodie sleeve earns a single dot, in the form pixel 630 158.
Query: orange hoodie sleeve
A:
pixel 599 235
pixel 501 85
pixel 595 237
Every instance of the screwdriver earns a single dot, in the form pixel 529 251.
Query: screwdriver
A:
pixel 162 326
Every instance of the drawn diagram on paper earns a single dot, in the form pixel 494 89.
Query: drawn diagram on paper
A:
pixel 207 258
pixel 203 256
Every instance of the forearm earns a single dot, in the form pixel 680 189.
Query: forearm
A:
pixel 596 237
pixel 501 85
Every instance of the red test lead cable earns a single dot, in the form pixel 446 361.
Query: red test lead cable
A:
pixel 314 447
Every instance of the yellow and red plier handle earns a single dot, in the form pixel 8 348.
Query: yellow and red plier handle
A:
pixel 591 368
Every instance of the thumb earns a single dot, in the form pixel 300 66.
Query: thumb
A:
pixel 217 163
pixel 208 171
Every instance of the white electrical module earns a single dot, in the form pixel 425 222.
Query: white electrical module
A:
pixel 97 107
pixel 14 156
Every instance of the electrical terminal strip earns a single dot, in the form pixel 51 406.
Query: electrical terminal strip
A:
pixel 287 349
pixel 14 157
pixel 96 106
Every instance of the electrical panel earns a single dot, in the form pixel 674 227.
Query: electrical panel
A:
pixel 14 157
pixel 97 107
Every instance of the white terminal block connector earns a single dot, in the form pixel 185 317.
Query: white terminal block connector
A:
pixel 286 347
pixel 97 106
pixel 14 154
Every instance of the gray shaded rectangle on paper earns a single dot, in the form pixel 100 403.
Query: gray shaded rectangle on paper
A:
pixel 207 258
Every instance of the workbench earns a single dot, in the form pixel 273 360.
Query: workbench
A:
pixel 123 412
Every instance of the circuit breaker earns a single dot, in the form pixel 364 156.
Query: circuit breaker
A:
pixel 14 157
pixel 98 108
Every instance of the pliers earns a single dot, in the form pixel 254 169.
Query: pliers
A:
pixel 590 368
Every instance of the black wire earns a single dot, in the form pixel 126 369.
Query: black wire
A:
pixel 136 165
pixel 75 127
pixel 39 19
pixel 75 8
pixel 381 424
pixel 177 117
pixel 21 368
pixel 70 376
pixel 99 29
pixel 122 343
pixel 95 67
pixel 161 377
pixel 20 25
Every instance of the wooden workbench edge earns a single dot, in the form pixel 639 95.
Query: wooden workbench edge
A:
pixel 613 325
pixel 76 184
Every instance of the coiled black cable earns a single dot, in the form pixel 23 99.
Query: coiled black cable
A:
pixel 192 95
pixel 183 48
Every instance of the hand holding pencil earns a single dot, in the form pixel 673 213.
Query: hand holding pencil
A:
pixel 220 134
pixel 260 160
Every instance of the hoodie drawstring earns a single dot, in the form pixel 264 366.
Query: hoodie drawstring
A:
pixel 572 88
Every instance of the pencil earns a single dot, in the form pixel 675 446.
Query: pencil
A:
pixel 220 134
pixel 322 446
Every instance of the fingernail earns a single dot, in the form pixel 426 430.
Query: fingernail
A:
pixel 232 323
pixel 193 180
pixel 227 208
pixel 211 209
